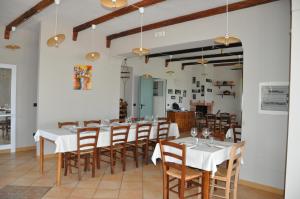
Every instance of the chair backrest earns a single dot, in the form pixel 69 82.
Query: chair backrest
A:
pixel 210 121
pixel 143 132
pixel 91 122
pixel 237 133
pixel 162 130
pixel 236 155
pixel 117 120
pixel 62 124
pixel 162 119
pixel 119 134
pixel 87 138
pixel 173 156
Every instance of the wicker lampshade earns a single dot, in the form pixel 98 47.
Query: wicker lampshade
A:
pixel 141 51
pixel 113 3
pixel 202 61
pixel 92 56
pixel 56 40
pixel 227 40
pixel 12 46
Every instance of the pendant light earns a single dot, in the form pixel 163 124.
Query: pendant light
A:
pixel 227 39
pixel 57 39
pixel 111 4
pixel 202 60
pixel 94 55
pixel 141 51
pixel 238 65
pixel 13 46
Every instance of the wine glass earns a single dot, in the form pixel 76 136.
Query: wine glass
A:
pixel 205 132
pixel 194 132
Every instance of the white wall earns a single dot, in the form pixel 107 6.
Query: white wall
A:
pixel 264 31
pixel 292 190
pixel 26 60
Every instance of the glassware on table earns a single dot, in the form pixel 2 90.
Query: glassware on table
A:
pixel 206 132
pixel 194 133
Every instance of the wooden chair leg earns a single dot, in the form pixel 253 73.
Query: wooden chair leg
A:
pixel 62 160
pixel 136 157
pixel 111 161
pixel 182 187
pixel 146 152
pixel 124 158
pixel 66 159
pixel 79 167
pixel 98 155
pixel 94 162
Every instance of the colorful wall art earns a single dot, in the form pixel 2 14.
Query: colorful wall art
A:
pixel 82 77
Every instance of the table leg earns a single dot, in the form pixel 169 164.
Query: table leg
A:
pixel 205 184
pixel 42 141
pixel 58 169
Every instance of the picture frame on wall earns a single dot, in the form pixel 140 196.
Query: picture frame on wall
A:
pixel 173 97
pixel 209 90
pixel 194 96
pixel 202 88
pixel 170 91
pixel 198 84
pixel 194 80
pixel 180 100
pixel 184 93
pixel 177 92
pixel 208 80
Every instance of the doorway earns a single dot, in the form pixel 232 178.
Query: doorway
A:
pixel 7 107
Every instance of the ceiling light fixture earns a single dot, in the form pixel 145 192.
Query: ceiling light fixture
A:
pixel 227 39
pixel 13 46
pixel 238 65
pixel 202 60
pixel 94 55
pixel 113 4
pixel 57 39
pixel 141 51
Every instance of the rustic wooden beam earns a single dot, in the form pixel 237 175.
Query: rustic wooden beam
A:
pixel 227 64
pixel 193 50
pixel 112 15
pixel 26 15
pixel 211 62
pixel 204 56
pixel 189 17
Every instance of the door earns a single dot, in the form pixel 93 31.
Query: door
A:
pixel 7 106
pixel 145 96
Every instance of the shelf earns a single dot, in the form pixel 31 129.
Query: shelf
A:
pixel 222 85
pixel 231 94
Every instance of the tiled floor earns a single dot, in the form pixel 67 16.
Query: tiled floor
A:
pixel 21 173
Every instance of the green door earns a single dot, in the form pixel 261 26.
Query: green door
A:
pixel 145 96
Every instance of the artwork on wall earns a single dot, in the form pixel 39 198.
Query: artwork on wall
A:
pixel 194 80
pixel 274 98
pixel 202 88
pixel 170 91
pixel 198 84
pixel 180 100
pixel 209 80
pixel 173 97
pixel 82 77
pixel 209 90
pixel 202 94
pixel 184 93
pixel 194 96
pixel 177 92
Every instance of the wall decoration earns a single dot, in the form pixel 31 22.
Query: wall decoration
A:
pixel 194 96
pixel 198 83
pixel 202 88
pixel 184 93
pixel 199 91
pixel 173 97
pixel 274 98
pixel 202 94
pixel 82 77
pixel 194 80
pixel 180 100
pixel 170 91
pixel 209 90
pixel 177 92
pixel 209 80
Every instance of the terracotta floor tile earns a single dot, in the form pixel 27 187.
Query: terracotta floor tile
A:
pixel 106 193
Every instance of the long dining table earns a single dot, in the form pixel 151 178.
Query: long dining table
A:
pixel 65 140
pixel 201 154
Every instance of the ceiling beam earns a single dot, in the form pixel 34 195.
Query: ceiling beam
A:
pixel 167 61
pixel 26 15
pixel 189 17
pixel 227 64
pixel 211 62
pixel 112 15
pixel 191 50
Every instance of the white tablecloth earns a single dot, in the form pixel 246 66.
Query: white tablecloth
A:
pixel 203 155
pixel 66 141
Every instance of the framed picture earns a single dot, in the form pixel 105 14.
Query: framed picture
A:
pixel 170 91
pixel 194 80
pixel 177 92
pixel 199 91
pixel 198 84
pixel 274 98
pixel 202 88
pixel 180 100
pixel 82 77
pixel 173 97
pixel 184 93
pixel 209 90
pixel 202 94
pixel 194 96
pixel 209 80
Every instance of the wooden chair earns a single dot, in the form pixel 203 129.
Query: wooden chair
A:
pixel 117 120
pixel 233 120
pixel 229 175
pixel 237 134
pixel 87 139
pixel 141 142
pixel 211 121
pixel 162 119
pixel 224 122
pixel 61 125
pixel 177 170
pixel 91 122
pixel 162 134
pixel 118 144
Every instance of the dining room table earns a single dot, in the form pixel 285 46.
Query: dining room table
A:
pixel 65 140
pixel 202 154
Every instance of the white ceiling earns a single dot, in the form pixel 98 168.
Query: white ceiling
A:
pixel 76 12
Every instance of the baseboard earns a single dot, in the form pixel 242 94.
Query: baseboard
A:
pixel 19 149
pixel 262 187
